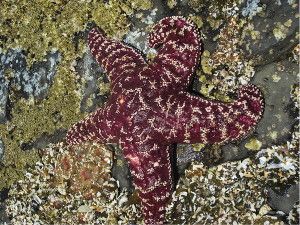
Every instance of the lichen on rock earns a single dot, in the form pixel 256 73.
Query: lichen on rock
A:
pixel 39 28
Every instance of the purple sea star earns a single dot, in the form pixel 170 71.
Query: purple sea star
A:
pixel 150 109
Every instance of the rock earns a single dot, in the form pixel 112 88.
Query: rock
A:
pixel 1 149
pixel 3 217
pixel 17 78
pixel 233 151
pixel 44 140
pixel 276 80
pixel 284 201
pixel 277 24
pixel 186 154
pixel 33 82
pixel 91 75
pixel 137 36
pixel 120 169
pixel 3 99
pixel 36 81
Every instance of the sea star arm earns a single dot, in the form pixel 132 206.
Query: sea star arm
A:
pixel 192 119
pixel 98 126
pixel 151 171
pixel 115 57
pixel 178 43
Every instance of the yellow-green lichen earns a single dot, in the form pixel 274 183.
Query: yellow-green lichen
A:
pixel 197 20
pixel 171 3
pixel 253 144
pixel 198 147
pixel 280 31
pixel 216 8
pixel 104 88
pixel 276 77
pixel 273 135
pixel 129 7
pixel 206 67
pixel 30 120
pixel 39 27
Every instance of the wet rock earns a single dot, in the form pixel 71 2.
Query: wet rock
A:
pixel 276 81
pixel 120 169
pixel 3 217
pixel 25 82
pixel 277 26
pixel 186 154
pixel 36 81
pixel 3 98
pixel 33 82
pixel 91 74
pixel 232 152
pixel 284 201
pixel 1 149
pixel 3 194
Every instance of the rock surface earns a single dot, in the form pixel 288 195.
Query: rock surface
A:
pixel 16 80
pixel 268 41
pixel 1 149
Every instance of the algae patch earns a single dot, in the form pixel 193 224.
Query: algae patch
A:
pixel 40 27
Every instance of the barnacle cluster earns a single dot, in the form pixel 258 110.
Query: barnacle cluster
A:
pixel 235 192
pixel 74 185
pixel 71 185
pixel 225 69
pixel 295 95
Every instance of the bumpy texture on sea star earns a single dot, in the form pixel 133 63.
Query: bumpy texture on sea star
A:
pixel 150 108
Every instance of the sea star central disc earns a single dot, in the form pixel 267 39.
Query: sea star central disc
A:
pixel 150 109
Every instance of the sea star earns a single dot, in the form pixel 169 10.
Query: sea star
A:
pixel 150 108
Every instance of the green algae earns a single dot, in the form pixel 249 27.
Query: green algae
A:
pixel 171 4
pixel 216 5
pixel 39 27
pixel 253 144
pixel 30 120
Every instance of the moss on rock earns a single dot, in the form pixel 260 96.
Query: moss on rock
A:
pixel 39 27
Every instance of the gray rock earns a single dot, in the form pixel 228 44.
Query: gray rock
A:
pixel 90 73
pixel 284 201
pixel 3 217
pixel 44 140
pixel 268 49
pixel 232 152
pixel 279 117
pixel 3 98
pixel 185 154
pixel 137 36
pixel 1 149
pixel 33 82
pixel 120 169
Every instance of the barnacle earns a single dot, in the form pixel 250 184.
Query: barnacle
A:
pixel 71 185
pixel 235 192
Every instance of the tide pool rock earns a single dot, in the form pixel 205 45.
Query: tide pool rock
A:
pixel 17 78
